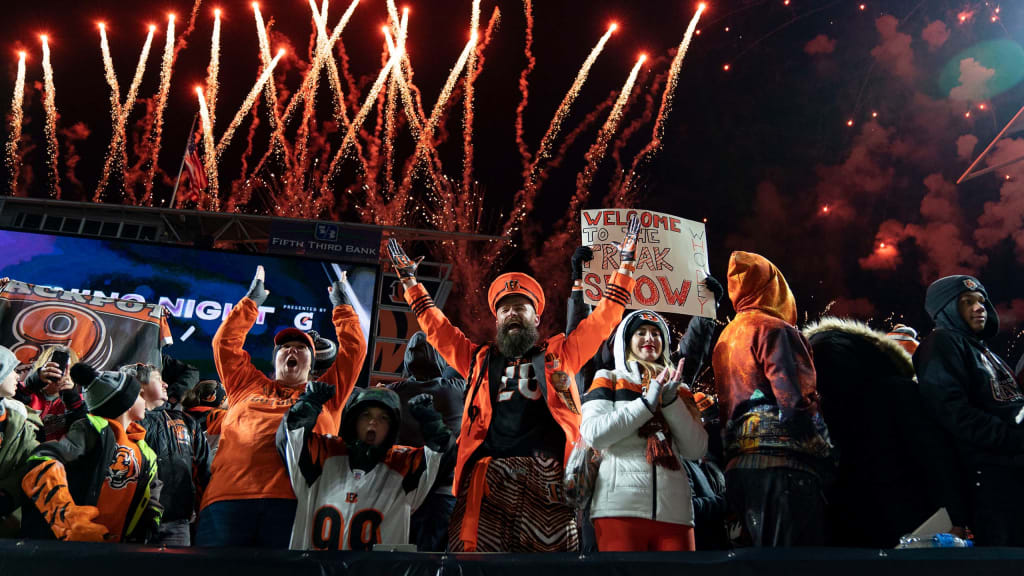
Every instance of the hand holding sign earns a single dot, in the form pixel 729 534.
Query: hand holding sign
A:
pixel 627 248
pixel 666 254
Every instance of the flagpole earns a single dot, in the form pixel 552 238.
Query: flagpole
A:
pixel 181 168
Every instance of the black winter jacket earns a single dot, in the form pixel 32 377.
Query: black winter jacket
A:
pixel 183 456
pixel 971 391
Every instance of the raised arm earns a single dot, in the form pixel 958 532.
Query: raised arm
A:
pixel 351 349
pixel 448 340
pixel 583 343
pixel 233 363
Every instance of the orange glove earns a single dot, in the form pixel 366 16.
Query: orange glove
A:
pixel 47 486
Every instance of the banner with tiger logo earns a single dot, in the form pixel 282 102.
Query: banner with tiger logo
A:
pixel 105 332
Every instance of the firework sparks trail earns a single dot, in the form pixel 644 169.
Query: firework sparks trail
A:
pixel 213 70
pixel 546 143
pixel 116 153
pixel 108 69
pixel 666 108
pixel 166 69
pixel 467 117
pixel 50 104
pixel 210 159
pixel 424 145
pixel 524 85
pixel 278 141
pixel 323 57
pixel 247 104
pixel 400 27
pixel 364 111
pixel 597 151
pixel 629 131
pixel 189 28
pixel 523 202
pixel 17 118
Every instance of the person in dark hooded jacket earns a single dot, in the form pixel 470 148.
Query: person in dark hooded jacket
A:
pixel 423 373
pixel 894 466
pixel 975 397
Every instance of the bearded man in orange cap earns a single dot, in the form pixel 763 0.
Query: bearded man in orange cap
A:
pixel 522 410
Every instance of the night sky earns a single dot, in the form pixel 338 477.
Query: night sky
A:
pixel 823 135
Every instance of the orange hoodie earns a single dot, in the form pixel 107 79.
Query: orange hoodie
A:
pixel 763 365
pixel 247 465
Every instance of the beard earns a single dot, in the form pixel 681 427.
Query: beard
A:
pixel 512 342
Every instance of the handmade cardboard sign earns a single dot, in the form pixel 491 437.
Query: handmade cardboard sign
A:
pixel 671 260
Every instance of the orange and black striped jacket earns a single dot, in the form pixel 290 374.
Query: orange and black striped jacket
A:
pixel 564 356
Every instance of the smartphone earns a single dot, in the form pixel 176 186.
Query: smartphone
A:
pixel 61 357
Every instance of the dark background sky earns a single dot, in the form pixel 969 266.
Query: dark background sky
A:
pixel 758 149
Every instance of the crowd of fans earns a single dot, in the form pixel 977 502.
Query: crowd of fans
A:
pixel 836 434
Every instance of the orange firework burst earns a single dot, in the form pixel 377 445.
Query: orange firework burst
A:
pixel 166 69
pixel 50 105
pixel 17 118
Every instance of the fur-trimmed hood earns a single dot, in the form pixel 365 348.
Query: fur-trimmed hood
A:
pixel 896 354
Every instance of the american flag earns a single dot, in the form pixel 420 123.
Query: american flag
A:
pixel 194 181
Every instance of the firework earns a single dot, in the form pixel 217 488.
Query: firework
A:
pixel 467 117
pixel 364 111
pixel 108 68
pixel 17 117
pixel 524 85
pixel 600 146
pixel 424 144
pixel 116 154
pixel 166 68
pixel 50 104
pixel 210 153
pixel 270 88
pixel 213 70
pixel 225 139
pixel 666 106
pixel 544 151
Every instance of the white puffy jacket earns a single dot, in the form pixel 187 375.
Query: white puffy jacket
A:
pixel 628 486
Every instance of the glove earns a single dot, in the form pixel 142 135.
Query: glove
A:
pixel 257 293
pixel 627 248
pixel 339 297
pixel 404 267
pixel 716 288
pixel 435 434
pixel 670 392
pixel 581 255
pixel 652 395
pixel 46 485
pixel 317 393
pixel 422 408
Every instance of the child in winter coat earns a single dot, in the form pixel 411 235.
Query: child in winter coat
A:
pixel 360 490
pixel 99 483
pixel 642 420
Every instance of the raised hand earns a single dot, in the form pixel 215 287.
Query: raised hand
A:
pixel 579 257
pixel 404 266
pixel 670 391
pixel 317 393
pixel 627 248
pixel 337 292
pixel 257 293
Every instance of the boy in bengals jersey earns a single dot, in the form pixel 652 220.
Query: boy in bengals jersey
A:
pixel 99 483
pixel 360 489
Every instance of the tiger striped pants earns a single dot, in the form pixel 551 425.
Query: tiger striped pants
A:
pixel 513 505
